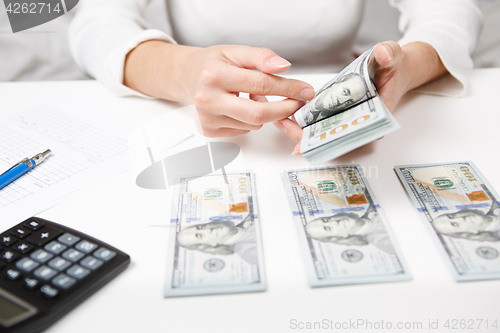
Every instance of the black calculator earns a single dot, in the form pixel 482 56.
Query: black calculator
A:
pixel 47 269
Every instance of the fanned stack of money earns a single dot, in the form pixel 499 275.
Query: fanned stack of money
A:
pixel 346 113
pixel 343 234
pixel 463 211
pixel 215 247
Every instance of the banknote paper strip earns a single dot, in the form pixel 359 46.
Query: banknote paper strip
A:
pixel 462 210
pixel 346 113
pixel 343 234
pixel 215 244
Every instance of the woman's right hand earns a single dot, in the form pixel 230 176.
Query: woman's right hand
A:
pixel 212 79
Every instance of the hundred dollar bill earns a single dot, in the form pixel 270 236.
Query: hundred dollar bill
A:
pixel 463 211
pixel 333 137
pixel 352 86
pixel 343 234
pixel 215 246
pixel 346 113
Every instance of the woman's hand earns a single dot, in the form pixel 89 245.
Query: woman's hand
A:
pixel 400 69
pixel 212 79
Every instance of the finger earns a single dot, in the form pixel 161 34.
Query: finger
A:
pixel 388 54
pixel 254 113
pixel 296 149
pixel 213 123
pixel 253 82
pixel 258 98
pixel 290 128
pixel 222 132
pixel 227 122
pixel 262 59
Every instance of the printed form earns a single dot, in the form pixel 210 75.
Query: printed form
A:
pixel 87 147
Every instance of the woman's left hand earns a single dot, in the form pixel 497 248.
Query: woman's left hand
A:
pixel 399 70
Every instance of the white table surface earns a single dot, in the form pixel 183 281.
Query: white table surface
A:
pixel 434 129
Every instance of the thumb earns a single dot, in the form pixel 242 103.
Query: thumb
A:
pixel 388 54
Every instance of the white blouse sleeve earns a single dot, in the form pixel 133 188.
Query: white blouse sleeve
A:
pixel 452 28
pixel 101 35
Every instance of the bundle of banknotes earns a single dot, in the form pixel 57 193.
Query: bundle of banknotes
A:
pixel 462 210
pixel 346 113
pixel 344 237
pixel 215 246
pixel 343 234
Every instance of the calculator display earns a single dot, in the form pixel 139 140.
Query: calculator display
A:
pixel 12 312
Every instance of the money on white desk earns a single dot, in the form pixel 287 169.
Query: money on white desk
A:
pixel 215 247
pixel 343 234
pixel 462 210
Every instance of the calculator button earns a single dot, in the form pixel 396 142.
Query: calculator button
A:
pixel 12 274
pixel 78 272
pixel 49 292
pixel 68 239
pixel 45 273
pixel 59 263
pixel 85 246
pixel 30 283
pixel 41 256
pixel 55 247
pixel 9 255
pixel 63 281
pixel 43 236
pixel 33 225
pixel 20 232
pixel 7 239
pixel 104 254
pixel 91 262
pixel 73 255
pixel 27 264
pixel 23 247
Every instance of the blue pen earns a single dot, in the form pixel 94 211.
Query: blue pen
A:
pixel 21 168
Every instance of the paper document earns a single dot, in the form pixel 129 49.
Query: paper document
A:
pixel 87 147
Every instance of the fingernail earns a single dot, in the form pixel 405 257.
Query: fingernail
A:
pixel 280 126
pixel 307 94
pixel 388 50
pixel 279 62
pixel 296 152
